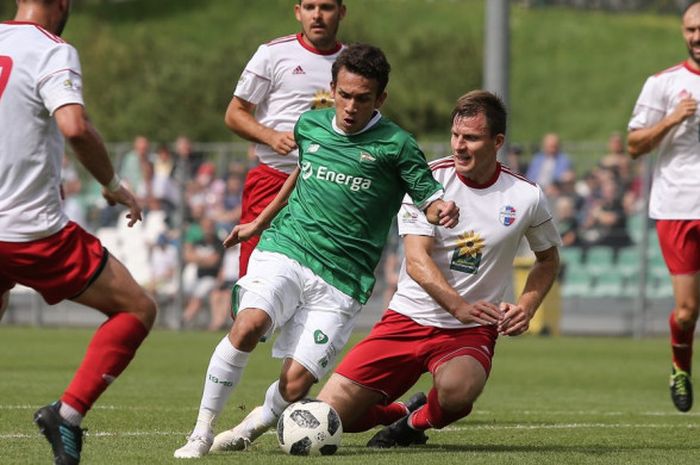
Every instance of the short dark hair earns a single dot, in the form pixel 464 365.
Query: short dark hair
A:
pixel 339 2
pixel 367 61
pixel 481 101
pixel 688 7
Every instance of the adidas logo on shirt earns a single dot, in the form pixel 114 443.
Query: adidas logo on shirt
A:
pixel 298 70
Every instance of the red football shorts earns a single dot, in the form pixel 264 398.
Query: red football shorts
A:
pixel 58 267
pixel 398 351
pixel 680 245
pixel 261 186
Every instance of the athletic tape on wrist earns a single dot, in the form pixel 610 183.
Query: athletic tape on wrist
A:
pixel 114 184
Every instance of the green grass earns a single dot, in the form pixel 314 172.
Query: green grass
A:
pixel 549 401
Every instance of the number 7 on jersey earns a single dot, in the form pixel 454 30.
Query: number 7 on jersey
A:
pixel 5 69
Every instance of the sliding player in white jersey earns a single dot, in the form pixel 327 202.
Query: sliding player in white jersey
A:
pixel 41 102
pixel 448 309
pixel 314 266
pixel 284 78
pixel 665 117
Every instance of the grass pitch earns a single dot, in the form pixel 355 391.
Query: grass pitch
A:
pixel 549 401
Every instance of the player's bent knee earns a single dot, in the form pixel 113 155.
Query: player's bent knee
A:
pixel 248 327
pixel 458 399
pixel 295 383
pixel 145 310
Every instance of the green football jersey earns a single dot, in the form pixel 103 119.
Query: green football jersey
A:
pixel 348 191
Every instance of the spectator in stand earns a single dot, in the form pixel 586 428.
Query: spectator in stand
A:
pixel 227 212
pixel 567 221
pixel 550 163
pixel 70 190
pixel 163 260
pixel 188 159
pixel 606 221
pixel 206 254
pixel 133 166
pixel 220 297
pixel 164 188
pixel 514 159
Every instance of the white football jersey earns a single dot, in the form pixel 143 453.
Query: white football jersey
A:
pixel 476 257
pixel 675 190
pixel 285 78
pixel 39 73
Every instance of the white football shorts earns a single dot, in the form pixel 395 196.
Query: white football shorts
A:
pixel 314 318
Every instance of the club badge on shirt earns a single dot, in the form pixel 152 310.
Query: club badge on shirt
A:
pixel 507 215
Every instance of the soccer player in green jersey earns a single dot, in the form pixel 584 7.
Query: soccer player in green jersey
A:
pixel 314 266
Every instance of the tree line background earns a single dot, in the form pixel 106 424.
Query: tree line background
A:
pixel 164 68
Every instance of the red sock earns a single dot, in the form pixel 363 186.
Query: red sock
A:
pixel 681 344
pixel 431 415
pixel 377 415
pixel 110 351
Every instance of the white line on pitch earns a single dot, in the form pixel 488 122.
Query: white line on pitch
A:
pixel 567 426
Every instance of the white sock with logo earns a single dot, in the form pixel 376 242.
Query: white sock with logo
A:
pixel 223 374
pixel 274 405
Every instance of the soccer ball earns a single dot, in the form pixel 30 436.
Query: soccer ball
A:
pixel 309 427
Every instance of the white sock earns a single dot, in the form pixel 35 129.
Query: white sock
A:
pixel 274 405
pixel 223 374
pixel 71 415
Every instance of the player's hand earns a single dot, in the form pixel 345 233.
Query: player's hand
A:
pixel 685 109
pixel 282 142
pixel 443 213
pixel 515 320
pixel 123 196
pixel 481 312
pixel 241 232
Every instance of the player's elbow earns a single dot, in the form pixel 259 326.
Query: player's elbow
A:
pixel 76 130
pixel 72 122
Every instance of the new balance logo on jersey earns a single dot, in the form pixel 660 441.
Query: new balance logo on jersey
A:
pixel 324 174
pixel 298 70
pixel 364 156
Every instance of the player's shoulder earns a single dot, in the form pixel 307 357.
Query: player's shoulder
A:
pixel 35 33
pixel 280 41
pixel 518 179
pixel 442 164
pixel 670 71
pixel 315 118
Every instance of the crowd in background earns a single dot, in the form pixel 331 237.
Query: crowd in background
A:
pixel 193 201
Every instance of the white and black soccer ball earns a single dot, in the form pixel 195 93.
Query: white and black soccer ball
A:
pixel 309 427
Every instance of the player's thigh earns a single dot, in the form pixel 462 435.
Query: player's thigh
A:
pixel 319 328
pixel 459 381
pixel 349 399
pixel 115 291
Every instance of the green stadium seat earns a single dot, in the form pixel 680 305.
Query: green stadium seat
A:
pixel 608 283
pixel 576 282
pixel 571 256
pixel 599 259
pixel 635 226
pixel 628 261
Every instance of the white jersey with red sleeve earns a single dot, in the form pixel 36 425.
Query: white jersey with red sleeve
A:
pixel 675 190
pixel 476 257
pixel 284 78
pixel 39 73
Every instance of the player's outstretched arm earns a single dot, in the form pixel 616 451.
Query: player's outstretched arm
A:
pixel 421 267
pixel 516 317
pixel 91 152
pixel 443 213
pixel 243 232
pixel 239 118
pixel 642 141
